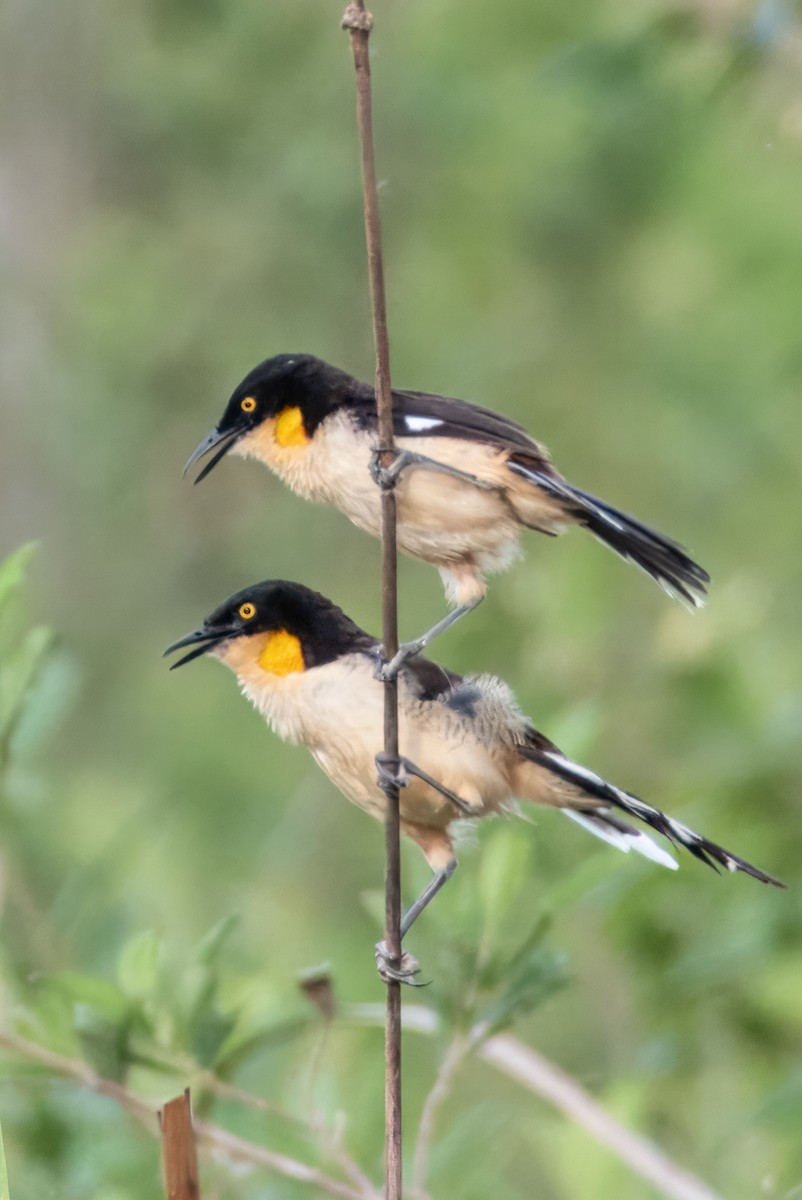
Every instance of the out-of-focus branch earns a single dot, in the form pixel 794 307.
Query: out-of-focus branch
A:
pixel 330 1136
pixel 506 1053
pixel 450 1063
pixel 225 1143
pixel 541 1077
pixel 243 1151
pixel 536 1073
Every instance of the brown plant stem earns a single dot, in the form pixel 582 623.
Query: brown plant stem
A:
pixel 178 1149
pixel 330 1136
pixel 224 1143
pixel 358 21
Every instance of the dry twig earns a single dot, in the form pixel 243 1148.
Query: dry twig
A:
pixel 330 1137
pixel 178 1150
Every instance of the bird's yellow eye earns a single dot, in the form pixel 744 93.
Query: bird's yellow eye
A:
pixel 248 404
pixel 247 611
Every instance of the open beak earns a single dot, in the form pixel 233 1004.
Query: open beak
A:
pixel 224 440
pixel 195 639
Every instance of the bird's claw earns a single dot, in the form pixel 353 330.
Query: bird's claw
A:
pixel 385 477
pixel 389 670
pixel 389 772
pixel 392 971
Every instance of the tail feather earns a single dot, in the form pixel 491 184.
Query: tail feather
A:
pixel 679 835
pixel 602 824
pixel 658 556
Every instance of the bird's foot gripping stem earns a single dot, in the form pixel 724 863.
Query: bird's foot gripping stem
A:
pixel 392 772
pixel 395 773
pixel 389 670
pixel 387 477
pixel 394 971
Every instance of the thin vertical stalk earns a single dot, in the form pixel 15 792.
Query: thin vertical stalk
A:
pixel 358 21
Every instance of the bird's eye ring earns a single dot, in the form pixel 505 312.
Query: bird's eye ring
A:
pixel 247 611
pixel 248 404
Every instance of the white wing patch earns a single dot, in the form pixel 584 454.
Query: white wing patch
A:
pixel 420 424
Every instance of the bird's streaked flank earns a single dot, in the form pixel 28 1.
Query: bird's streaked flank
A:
pixel 469 480
pixel 468 751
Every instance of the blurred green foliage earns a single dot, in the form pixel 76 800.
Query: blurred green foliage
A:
pixel 591 218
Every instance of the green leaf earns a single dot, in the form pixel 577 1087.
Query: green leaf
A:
pixel 46 701
pixel 503 871
pixel 138 964
pixel 4 1192
pixel 212 944
pixel 239 1046
pixel 503 963
pixel 536 978
pixel 13 569
pixel 90 992
pixel 208 1032
pixel 104 1042
pixel 19 671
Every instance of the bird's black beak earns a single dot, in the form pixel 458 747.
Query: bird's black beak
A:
pixel 205 636
pixel 225 440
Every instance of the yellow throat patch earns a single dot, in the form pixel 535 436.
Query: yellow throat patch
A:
pixel 282 655
pixel 290 428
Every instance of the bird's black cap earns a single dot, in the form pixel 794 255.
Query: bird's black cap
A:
pixel 322 629
pixel 299 381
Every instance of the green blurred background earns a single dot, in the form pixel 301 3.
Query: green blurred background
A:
pixel 593 221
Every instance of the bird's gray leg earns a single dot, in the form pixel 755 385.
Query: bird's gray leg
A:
pixel 427 895
pixel 410 649
pixel 386 775
pixel 461 805
pixel 386 477
pixel 408 968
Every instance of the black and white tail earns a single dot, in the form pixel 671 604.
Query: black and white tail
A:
pixel 605 821
pixel 658 556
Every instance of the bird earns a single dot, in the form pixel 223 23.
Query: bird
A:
pixel 468 480
pixel 466 749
